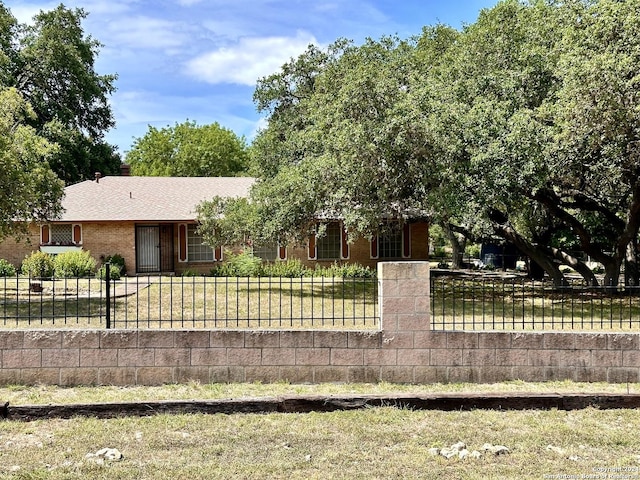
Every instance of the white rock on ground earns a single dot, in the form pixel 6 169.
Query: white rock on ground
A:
pixel 105 454
pixel 460 450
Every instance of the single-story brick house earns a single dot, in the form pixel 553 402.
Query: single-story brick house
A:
pixel 151 222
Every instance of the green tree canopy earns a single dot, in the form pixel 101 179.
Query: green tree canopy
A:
pixel 523 125
pixel 540 102
pixel 29 189
pixel 52 64
pixel 189 150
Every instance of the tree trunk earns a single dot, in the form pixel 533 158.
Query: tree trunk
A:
pixel 457 246
pixel 631 269
pixel 538 255
pixel 611 273
pixel 578 265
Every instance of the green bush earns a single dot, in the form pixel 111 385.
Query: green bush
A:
pixel 74 263
pixel 114 272
pixel 117 259
pixel 246 265
pixel 473 250
pixel 289 269
pixel 6 269
pixel 243 264
pixel 189 273
pixel 38 265
pixel 350 270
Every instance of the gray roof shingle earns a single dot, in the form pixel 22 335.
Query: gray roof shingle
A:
pixel 146 198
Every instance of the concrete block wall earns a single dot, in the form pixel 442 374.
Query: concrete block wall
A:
pixel 404 350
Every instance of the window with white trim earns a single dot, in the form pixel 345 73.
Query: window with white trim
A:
pixel 268 252
pixel 329 246
pixel 197 251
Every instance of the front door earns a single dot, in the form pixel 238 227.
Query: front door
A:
pixel 147 248
pixel 154 248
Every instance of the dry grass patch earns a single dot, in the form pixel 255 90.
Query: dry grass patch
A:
pixel 371 443
pixel 50 394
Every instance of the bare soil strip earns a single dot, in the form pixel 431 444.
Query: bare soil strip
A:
pixel 305 404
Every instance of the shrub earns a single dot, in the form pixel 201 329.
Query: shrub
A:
pixel 289 269
pixel 6 269
pixel 74 263
pixel 189 273
pixel 239 265
pixel 473 250
pixel 247 265
pixel 114 272
pixel 38 265
pixel 351 270
pixel 117 259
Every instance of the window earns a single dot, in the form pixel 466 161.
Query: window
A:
pixel 198 251
pixel 62 234
pixel 329 245
pixel 267 252
pixel 390 242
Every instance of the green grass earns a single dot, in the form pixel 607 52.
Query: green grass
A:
pixel 377 443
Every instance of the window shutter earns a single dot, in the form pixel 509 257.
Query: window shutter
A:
pixel 282 253
pixel 217 254
pixel 406 240
pixel 374 247
pixel 77 234
pixel 312 246
pixel 182 243
pixel 44 234
pixel 345 244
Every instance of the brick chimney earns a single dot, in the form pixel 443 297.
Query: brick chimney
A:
pixel 125 170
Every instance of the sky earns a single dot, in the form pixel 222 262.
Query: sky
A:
pixel 199 60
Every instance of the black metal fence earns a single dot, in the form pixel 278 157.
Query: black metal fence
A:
pixel 514 302
pixel 189 302
pixel 468 302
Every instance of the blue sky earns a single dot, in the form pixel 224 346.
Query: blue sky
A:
pixel 200 59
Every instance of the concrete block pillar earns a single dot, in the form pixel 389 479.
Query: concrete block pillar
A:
pixel 403 296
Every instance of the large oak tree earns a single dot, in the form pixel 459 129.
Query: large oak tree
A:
pixel 29 189
pixel 523 125
pixel 51 62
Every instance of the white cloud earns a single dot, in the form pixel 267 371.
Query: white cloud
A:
pixel 145 32
pixel 249 59
pixel 25 13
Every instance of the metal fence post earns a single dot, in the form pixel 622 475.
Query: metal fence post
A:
pixel 107 275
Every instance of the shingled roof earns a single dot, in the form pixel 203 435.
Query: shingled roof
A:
pixel 146 198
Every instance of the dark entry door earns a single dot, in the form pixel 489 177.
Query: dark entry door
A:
pixel 154 248
pixel 147 248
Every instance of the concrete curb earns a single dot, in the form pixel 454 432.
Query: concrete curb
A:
pixel 305 404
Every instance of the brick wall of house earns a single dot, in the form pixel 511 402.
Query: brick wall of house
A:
pixel 14 250
pixel 103 239
pixel 404 350
pixel 360 249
